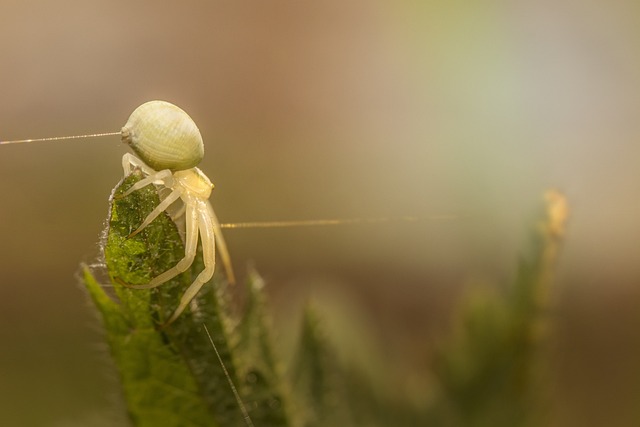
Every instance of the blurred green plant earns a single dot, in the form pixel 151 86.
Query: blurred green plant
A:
pixel 171 375
pixel 489 372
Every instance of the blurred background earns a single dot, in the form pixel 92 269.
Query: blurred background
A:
pixel 332 109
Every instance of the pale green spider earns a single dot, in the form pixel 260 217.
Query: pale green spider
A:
pixel 170 146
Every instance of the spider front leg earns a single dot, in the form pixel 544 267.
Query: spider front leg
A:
pixel 162 206
pixel 203 223
pixel 164 177
pixel 179 212
pixel 191 245
pixel 129 160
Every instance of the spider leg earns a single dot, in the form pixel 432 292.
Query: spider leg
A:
pixel 162 206
pixel 179 213
pixel 163 176
pixel 209 258
pixel 190 247
pixel 222 245
pixel 129 160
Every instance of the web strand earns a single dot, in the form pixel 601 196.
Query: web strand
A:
pixel 261 224
pixel 59 138
pixel 323 222
pixel 243 409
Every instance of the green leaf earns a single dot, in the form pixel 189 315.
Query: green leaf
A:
pixel 170 376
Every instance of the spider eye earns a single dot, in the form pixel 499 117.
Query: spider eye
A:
pixel 163 136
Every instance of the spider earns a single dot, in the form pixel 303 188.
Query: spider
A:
pixel 170 146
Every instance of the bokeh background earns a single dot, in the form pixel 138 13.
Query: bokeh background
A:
pixel 332 109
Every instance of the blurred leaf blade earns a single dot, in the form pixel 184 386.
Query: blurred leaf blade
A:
pixel 264 383
pixel 489 369
pixel 315 376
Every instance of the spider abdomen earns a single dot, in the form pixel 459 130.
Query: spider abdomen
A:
pixel 164 136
